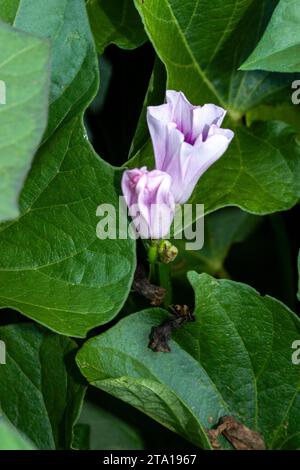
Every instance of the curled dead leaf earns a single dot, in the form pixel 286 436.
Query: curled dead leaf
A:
pixel 240 436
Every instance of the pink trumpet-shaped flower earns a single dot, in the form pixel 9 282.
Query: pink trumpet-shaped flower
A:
pixel 187 140
pixel 150 201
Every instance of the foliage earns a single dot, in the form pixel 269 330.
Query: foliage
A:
pixel 64 282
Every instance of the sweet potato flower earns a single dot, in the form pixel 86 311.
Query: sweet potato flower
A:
pixel 187 140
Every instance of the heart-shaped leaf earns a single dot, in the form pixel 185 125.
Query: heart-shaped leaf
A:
pixel 53 268
pixel 202 45
pixel 74 74
pixel 8 9
pixel 115 22
pixel 279 48
pixel 235 360
pixel 108 432
pixel 24 84
pixel 39 389
pixel 287 112
pixel 11 439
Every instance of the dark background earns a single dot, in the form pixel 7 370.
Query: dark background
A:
pixel 112 125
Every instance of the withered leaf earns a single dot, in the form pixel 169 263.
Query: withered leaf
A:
pixel 143 286
pixel 240 436
pixel 160 335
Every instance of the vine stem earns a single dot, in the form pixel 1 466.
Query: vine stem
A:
pixel 152 258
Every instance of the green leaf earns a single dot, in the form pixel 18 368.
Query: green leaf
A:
pixel 8 10
pixel 115 22
pixel 235 360
pixel 287 112
pixel 279 48
pixel 108 432
pixel 205 65
pixel 148 381
pixel 105 68
pixel 11 439
pixel 24 83
pixel 202 44
pixel 39 388
pixel 81 440
pixel 73 64
pixel 260 172
pixel 53 268
pixel 221 230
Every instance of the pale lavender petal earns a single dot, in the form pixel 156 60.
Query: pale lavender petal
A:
pixel 162 113
pixel 200 158
pixel 159 136
pixel 173 145
pixel 161 219
pixel 211 150
pixel 150 201
pixel 204 117
pixel 176 167
pixel 182 112
pixel 129 180
pixel 183 172
pixel 162 211
pixel 215 130
pixel 148 190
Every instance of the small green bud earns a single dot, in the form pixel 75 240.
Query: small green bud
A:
pixel 166 252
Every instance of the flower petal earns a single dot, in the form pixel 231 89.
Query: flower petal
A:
pixel 187 140
pixel 211 150
pixel 150 201
pixel 182 112
pixel 204 117
pixel 158 127
pixel 130 179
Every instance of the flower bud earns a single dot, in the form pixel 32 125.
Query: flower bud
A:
pixel 150 201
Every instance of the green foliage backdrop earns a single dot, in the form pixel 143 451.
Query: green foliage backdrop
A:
pixel 236 359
